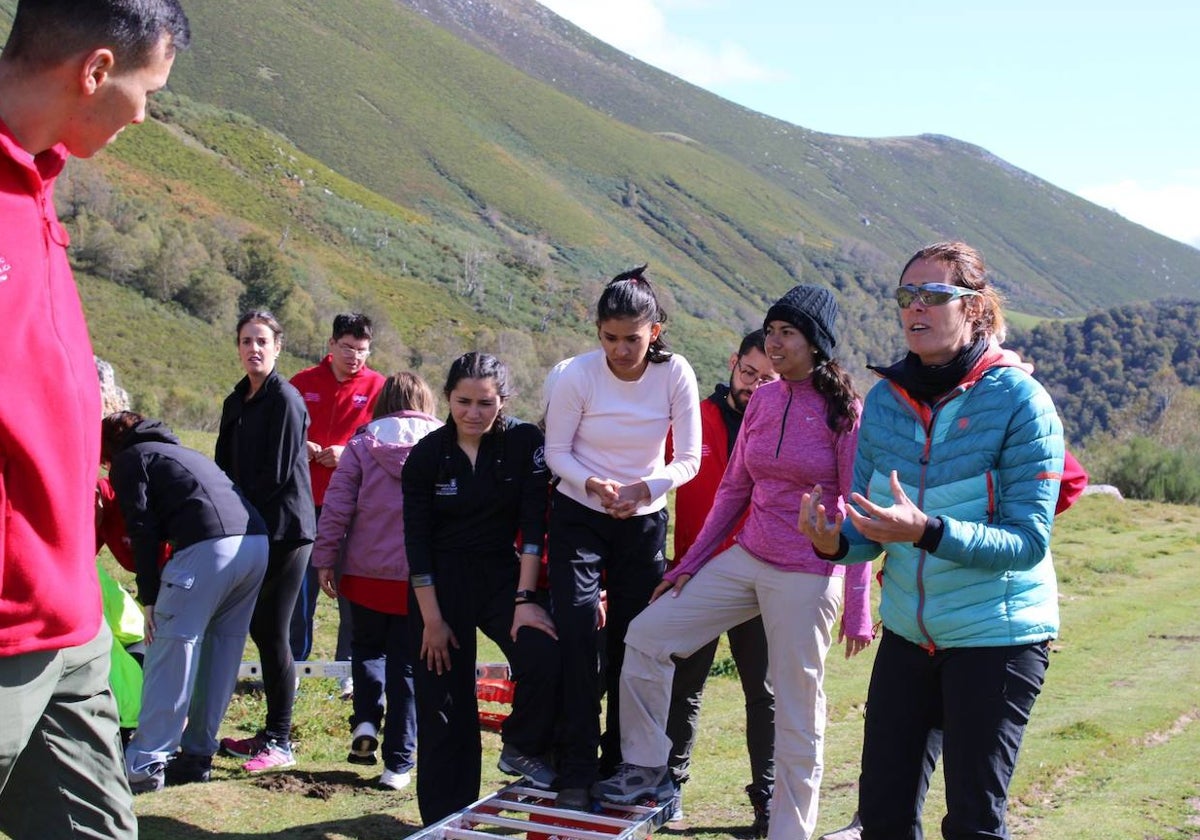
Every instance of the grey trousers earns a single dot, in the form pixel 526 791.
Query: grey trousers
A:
pixel 202 618
pixel 60 751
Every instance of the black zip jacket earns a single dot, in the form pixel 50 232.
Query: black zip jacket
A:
pixel 261 446
pixel 170 493
pixel 452 509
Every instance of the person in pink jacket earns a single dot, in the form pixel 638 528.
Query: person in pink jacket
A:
pixel 361 535
pixel 796 433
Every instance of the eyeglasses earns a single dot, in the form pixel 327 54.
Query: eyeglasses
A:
pixel 751 377
pixel 931 294
pixel 350 350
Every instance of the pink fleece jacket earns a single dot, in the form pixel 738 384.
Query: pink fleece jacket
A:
pixel 785 447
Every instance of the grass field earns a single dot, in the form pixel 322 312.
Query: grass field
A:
pixel 1113 749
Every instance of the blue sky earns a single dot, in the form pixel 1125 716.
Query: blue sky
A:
pixel 1099 98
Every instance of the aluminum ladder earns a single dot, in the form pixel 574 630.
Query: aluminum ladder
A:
pixel 520 811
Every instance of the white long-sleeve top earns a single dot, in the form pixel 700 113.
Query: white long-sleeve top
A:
pixel 602 426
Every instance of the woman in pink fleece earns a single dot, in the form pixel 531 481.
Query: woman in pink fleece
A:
pixel 798 432
pixel 361 536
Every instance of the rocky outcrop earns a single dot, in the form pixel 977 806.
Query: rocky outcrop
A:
pixel 112 396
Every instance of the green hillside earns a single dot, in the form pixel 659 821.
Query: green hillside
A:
pixel 471 180
pixel 1054 253
pixel 464 127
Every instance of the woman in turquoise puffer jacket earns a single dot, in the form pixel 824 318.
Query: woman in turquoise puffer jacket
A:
pixel 956 477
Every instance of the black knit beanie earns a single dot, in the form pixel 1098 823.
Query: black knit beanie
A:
pixel 814 310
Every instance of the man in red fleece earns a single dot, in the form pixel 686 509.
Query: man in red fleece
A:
pixel 340 394
pixel 73 74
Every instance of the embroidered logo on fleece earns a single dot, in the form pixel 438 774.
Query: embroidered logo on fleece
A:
pixel 4 269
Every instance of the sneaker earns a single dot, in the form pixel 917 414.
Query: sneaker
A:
pixel 347 688
pixel 850 832
pixel 538 773
pixel 188 768
pixel 632 783
pixel 675 811
pixel 363 743
pixel 394 780
pixel 275 756
pixel 244 747
pixel 153 782
pixel 577 799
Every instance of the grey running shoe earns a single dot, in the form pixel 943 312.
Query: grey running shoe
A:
pixel 850 832
pixel 536 772
pixel 675 812
pixel 632 783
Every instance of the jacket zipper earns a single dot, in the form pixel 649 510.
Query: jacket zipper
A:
pixel 783 423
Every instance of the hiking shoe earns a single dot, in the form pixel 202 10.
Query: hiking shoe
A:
pixel 850 832
pixel 154 780
pixel 536 772
pixel 244 747
pixel 394 779
pixel 761 803
pixel 275 756
pixel 188 768
pixel 363 743
pixel 575 798
pixel 632 783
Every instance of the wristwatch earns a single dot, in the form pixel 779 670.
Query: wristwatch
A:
pixel 526 596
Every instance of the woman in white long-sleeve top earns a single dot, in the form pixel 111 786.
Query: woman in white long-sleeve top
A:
pixel 607 418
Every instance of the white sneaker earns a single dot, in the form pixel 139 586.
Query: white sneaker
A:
pixel 347 686
pixel 394 781
pixel 363 743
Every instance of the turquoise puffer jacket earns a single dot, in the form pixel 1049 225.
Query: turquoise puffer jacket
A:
pixel 987 460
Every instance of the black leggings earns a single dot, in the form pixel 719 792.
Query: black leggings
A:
pixel 270 630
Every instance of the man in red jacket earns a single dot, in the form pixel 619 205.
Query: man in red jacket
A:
pixel 340 394
pixel 72 75
pixel 720 419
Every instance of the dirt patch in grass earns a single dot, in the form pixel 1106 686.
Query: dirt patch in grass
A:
pixel 314 786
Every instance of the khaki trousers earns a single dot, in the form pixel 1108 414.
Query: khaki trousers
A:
pixel 798 612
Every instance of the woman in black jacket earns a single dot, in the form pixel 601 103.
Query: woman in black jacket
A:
pixel 261 446
pixel 197 605
pixel 471 489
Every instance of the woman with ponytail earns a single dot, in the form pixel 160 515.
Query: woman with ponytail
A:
pixel 798 432
pixel 607 418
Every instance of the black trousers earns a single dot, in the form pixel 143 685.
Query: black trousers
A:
pixel 590 551
pixel 981 699
pixel 477 592
pixel 748 646
pixel 269 628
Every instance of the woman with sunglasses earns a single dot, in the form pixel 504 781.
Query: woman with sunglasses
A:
pixel 959 462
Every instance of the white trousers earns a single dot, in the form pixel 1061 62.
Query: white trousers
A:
pixel 798 612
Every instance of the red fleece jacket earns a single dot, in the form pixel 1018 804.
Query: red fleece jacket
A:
pixel 49 419
pixel 336 410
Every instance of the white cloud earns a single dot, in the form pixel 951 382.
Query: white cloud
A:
pixel 641 28
pixel 1171 209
